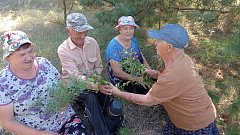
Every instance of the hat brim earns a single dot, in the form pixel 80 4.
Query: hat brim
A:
pixel 83 28
pixel 154 34
pixel 8 52
pixel 136 26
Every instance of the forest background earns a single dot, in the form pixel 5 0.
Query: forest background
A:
pixel 213 26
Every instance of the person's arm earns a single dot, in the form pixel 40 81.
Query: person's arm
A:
pixel 145 62
pixel 98 63
pixel 9 123
pixel 140 99
pixel 69 65
pixel 117 70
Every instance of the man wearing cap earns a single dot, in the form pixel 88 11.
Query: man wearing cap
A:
pixel 80 57
pixel 178 88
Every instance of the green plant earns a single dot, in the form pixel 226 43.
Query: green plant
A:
pixel 61 94
pixel 96 78
pixel 64 93
pixel 133 66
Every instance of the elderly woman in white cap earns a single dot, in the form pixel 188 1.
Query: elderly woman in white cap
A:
pixel 121 47
pixel 80 57
pixel 23 81
pixel 179 87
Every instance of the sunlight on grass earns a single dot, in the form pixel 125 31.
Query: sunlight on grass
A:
pixel 9 22
pixel 225 100
pixel 36 23
pixel 27 19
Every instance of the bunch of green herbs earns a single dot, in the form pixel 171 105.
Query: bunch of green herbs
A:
pixel 133 66
pixel 62 94
pixel 96 78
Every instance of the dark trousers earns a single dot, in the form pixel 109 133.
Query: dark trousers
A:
pixel 133 87
pixel 95 104
pixel 171 129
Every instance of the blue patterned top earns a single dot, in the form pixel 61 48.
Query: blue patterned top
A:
pixel 23 93
pixel 118 53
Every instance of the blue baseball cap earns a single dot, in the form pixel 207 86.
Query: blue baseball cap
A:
pixel 173 34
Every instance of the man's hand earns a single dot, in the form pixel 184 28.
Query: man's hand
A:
pixel 152 73
pixel 115 91
pixel 105 89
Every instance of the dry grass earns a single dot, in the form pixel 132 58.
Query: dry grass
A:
pixel 144 120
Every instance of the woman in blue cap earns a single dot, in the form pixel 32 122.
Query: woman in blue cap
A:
pixel 179 87
pixel 120 48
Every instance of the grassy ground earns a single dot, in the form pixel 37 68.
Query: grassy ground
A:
pixel 43 22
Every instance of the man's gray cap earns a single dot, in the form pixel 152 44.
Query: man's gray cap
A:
pixel 78 22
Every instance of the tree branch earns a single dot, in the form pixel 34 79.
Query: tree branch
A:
pixel 198 9
pixel 109 2
pixel 64 10
pixel 70 9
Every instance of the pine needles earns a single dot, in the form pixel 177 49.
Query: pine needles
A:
pixel 64 93
pixel 61 94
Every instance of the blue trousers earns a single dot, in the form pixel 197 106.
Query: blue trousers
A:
pixel 171 129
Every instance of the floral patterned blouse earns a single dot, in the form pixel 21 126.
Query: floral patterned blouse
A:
pixel 23 93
